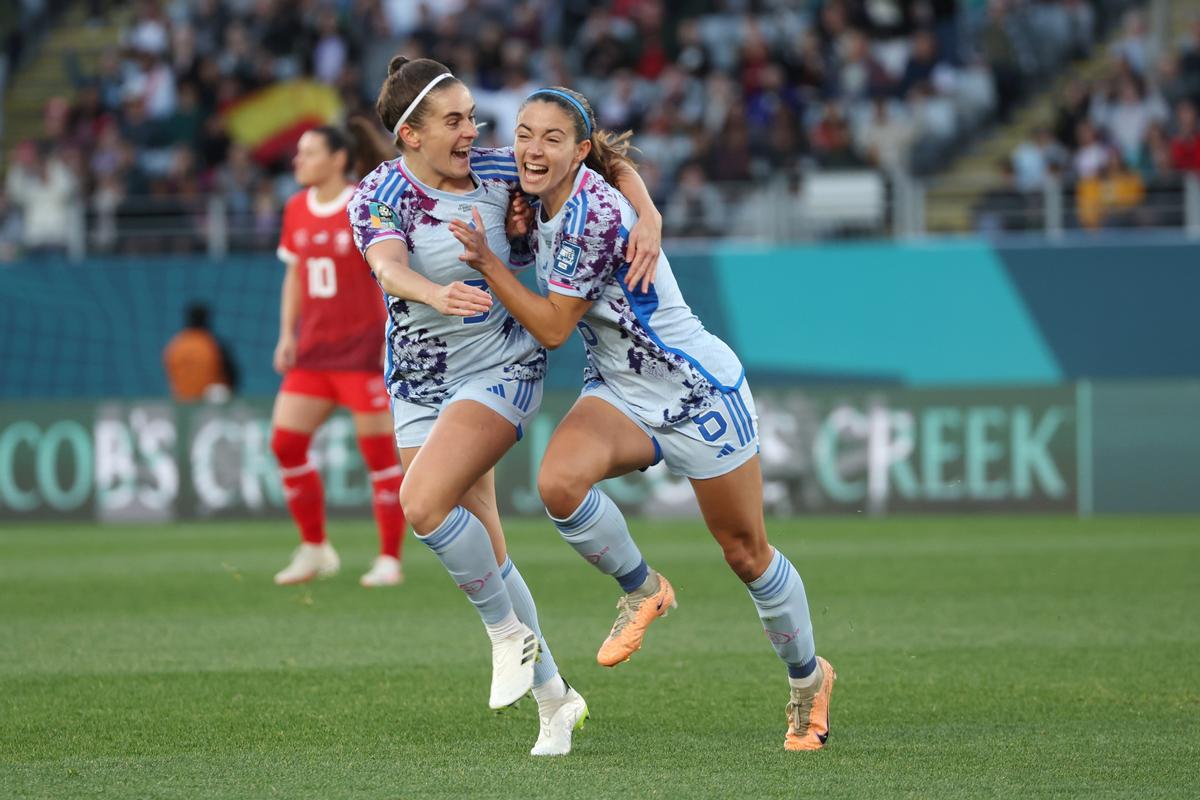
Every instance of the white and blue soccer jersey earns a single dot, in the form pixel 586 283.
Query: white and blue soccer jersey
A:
pixel 430 354
pixel 650 349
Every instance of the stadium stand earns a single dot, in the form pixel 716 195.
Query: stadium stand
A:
pixel 173 128
pixel 1119 137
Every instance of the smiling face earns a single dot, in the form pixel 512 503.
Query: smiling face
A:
pixel 547 151
pixel 447 131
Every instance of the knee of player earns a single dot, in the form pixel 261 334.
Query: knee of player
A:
pixel 747 554
pixel 562 489
pixel 423 509
pixel 290 448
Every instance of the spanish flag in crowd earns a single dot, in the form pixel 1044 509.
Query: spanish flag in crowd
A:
pixel 271 120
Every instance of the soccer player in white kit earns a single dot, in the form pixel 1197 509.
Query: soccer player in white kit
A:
pixel 464 376
pixel 659 388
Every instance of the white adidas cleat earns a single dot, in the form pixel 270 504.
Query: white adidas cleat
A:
pixel 558 721
pixel 308 562
pixel 385 571
pixel 512 667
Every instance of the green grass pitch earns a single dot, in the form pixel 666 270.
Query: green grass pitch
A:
pixel 977 657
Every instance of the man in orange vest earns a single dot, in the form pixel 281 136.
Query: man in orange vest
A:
pixel 195 364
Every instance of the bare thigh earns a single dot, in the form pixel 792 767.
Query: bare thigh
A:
pixel 372 424
pixel 455 465
pixel 300 412
pixel 594 441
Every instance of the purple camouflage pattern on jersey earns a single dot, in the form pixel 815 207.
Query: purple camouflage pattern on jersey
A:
pixel 602 264
pixel 412 209
pixel 418 361
pixel 416 366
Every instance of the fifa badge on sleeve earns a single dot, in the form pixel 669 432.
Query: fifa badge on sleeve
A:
pixel 567 259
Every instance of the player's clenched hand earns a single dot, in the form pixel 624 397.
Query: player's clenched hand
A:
pixel 285 354
pixel 460 300
pixel 476 252
pixel 645 241
pixel 519 219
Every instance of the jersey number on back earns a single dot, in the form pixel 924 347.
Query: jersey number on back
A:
pixel 322 277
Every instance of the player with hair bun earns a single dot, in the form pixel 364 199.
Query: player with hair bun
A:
pixel 329 352
pixel 659 388
pixel 464 376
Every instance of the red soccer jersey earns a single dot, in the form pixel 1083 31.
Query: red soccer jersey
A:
pixel 342 312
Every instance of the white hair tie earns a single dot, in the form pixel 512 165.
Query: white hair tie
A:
pixel 417 101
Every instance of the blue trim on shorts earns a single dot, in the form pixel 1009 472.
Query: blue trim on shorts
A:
pixel 524 395
pixel 747 418
pixel 737 424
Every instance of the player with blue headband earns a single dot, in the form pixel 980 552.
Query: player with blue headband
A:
pixel 659 387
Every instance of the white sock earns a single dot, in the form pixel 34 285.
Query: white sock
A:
pixel 550 691
pixel 811 680
pixel 526 610
pixel 509 626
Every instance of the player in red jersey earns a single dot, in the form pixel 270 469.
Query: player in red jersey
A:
pixel 330 353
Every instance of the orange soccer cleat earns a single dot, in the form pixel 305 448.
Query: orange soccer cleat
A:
pixel 635 615
pixel 808 712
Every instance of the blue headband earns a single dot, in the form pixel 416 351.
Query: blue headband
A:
pixel 587 123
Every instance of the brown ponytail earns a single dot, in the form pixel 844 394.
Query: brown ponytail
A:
pixel 405 80
pixel 370 146
pixel 609 150
pixel 364 144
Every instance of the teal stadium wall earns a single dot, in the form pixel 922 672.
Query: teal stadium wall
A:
pixel 946 314
pixel 890 378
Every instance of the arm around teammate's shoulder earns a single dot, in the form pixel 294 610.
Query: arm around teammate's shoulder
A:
pixel 645 239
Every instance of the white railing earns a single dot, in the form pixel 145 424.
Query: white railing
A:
pixel 817 206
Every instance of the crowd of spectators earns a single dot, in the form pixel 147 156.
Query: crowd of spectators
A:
pixel 725 96
pixel 1119 146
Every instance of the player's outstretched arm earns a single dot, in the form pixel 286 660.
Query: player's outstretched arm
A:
pixel 389 261
pixel 645 240
pixel 550 319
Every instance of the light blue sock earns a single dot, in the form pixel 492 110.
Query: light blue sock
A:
pixel 461 543
pixel 598 532
pixel 783 608
pixel 522 603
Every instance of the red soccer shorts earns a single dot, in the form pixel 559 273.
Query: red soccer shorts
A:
pixel 361 392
